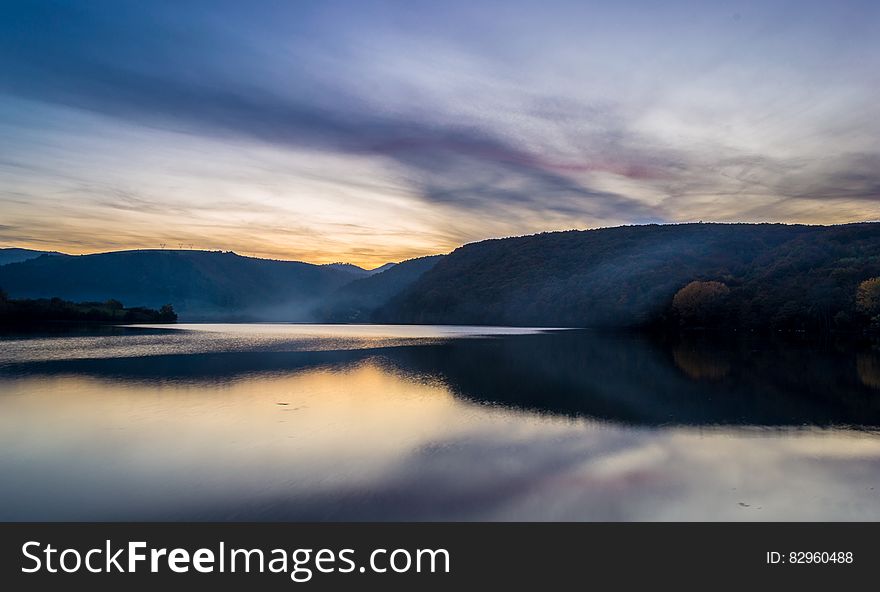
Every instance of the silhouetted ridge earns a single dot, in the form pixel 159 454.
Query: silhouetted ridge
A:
pixel 15 255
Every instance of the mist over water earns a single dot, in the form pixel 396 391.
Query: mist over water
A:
pixel 342 422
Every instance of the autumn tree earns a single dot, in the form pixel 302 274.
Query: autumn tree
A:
pixel 868 300
pixel 699 302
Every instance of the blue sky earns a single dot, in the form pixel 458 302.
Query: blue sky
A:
pixel 376 131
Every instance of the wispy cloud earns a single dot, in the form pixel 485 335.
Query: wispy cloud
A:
pixel 519 120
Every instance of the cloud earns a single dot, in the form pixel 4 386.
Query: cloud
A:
pixel 850 176
pixel 497 123
pixel 464 166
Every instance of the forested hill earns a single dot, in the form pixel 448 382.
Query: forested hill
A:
pixel 199 284
pixel 357 301
pixel 747 276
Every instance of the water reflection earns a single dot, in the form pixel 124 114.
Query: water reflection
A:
pixel 620 378
pixel 700 363
pixel 435 425
pixel 868 366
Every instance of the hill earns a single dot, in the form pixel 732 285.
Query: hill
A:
pixel 764 276
pixel 733 276
pixel 202 285
pixel 15 255
pixel 354 270
pixel 381 268
pixel 359 271
pixel 357 301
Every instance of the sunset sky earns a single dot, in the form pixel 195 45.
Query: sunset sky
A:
pixel 377 131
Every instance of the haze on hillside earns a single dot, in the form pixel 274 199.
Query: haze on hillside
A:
pixel 374 132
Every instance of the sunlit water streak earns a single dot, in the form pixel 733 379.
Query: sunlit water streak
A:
pixel 203 338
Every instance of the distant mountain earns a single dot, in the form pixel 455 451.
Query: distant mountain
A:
pixel 381 268
pixel 348 267
pixel 357 301
pixel 201 285
pixel 759 275
pixel 14 255
pixel 359 271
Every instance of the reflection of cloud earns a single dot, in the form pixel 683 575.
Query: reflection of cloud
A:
pixel 512 468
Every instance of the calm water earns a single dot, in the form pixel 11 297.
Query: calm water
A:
pixel 312 422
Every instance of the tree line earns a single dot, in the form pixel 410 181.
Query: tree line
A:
pixel 29 311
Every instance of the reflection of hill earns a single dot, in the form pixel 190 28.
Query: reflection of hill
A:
pixel 618 378
pixel 700 364
pixel 633 380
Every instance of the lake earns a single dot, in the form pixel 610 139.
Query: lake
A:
pixel 345 422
